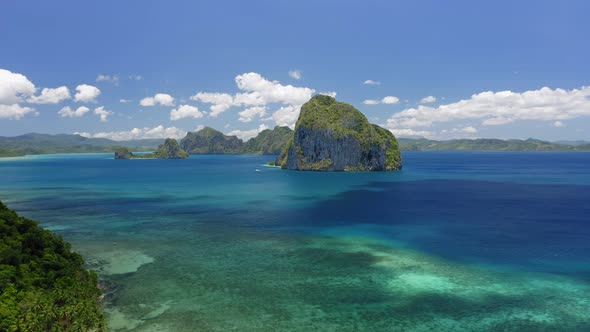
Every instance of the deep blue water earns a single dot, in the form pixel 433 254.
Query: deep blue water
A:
pixel 500 240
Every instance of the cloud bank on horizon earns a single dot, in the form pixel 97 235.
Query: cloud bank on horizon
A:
pixel 495 109
pixel 262 103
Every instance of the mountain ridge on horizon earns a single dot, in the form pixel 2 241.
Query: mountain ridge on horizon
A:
pixel 41 143
pixel 560 142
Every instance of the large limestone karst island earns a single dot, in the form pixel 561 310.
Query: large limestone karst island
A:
pixel 169 150
pixel 334 136
pixel 211 141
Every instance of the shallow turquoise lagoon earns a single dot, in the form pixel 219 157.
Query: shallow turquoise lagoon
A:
pixel 457 241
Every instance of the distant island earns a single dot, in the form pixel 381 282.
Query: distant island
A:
pixel 204 141
pixel 33 143
pixel 334 136
pixel 43 284
pixel 269 141
pixel 169 150
pixel 211 141
pixel 489 144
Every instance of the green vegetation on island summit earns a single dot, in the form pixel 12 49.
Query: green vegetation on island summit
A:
pixel 43 284
pixel 334 136
pixel 269 141
pixel 211 141
pixel 124 153
pixel 169 150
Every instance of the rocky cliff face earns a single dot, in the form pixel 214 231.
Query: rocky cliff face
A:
pixel 123 153
pixel 169 150
pixel 334 136
pixel 269 141
pixel 209 140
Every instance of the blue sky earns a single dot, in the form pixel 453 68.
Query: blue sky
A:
pixel 507 69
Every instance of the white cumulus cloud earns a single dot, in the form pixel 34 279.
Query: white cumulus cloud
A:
pixel 108 78
pixel 245 135
pixel 328 93
pixel 286 116
pixel 163 99
pixel 103 113
pixel 221 101
pixel 371 82
pixel 385 100
pixel 296 74
pixel 51 96
pixel 258 91
pixel 273 91
pixel 139 133
pixel 371 102
pixel 14 111
pixel 13 87
pixel 70 113
pixel 185 111
pixel 498 108
pixel 558 124
pixel 250 113
pixel 469 130
pixel 86 93
pixel 428 100
pixel 390 100
pixel 407 132
pixel 464 130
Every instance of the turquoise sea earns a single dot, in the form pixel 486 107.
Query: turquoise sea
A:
pixel 456 241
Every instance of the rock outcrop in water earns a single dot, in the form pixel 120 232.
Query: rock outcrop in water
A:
pixel 169 150
pixel 211 141
pixel 123 153
pixel 334 136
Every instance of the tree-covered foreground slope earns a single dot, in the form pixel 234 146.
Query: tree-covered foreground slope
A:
pixel 43 284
